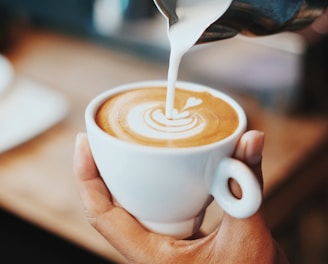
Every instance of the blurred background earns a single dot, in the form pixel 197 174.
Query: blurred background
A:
pixel 57 55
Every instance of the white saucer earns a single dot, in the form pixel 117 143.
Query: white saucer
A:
pixel 28 109
pixel 6 74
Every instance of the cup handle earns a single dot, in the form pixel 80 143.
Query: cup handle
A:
pixel 252 196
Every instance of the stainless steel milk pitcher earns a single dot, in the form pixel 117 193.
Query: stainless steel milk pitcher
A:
pixel 254 17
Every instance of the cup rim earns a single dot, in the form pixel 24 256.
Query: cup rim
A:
pixel 95 103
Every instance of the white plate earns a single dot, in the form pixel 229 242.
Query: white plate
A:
pixel 6 73
pixel 27 110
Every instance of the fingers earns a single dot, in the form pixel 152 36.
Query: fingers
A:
pixel 249 150
pixel 84 166
pixel 317 30
pixel 114 223
pixel 94 195
pixel 251 235
pixel 320 25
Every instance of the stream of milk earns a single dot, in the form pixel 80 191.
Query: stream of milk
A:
pixel 195 16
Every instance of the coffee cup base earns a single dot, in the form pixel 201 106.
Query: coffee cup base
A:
pixel 178 230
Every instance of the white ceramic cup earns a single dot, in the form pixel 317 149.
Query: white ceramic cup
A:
pixel 168 189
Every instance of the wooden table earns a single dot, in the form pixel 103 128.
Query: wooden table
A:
pixel 36 178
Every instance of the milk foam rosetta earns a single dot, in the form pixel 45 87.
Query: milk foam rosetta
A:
pixel 138 116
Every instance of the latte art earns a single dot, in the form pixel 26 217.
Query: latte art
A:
pixel 149 121
pixel 139 116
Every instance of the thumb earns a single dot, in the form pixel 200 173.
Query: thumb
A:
pixel 249 151
pixel 250 235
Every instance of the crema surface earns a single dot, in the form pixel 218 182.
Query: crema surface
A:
pixel 138 116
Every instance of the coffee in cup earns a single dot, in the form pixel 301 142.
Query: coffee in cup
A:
pixel 138 116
